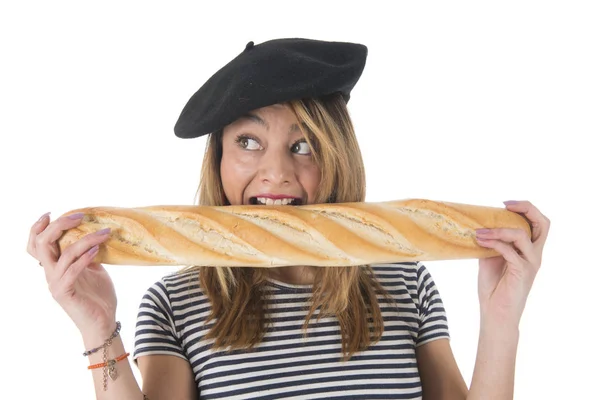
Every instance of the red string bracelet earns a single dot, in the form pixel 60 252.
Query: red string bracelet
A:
pixel 107 363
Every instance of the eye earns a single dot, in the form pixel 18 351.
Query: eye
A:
pixel 301 147
pixel 248 143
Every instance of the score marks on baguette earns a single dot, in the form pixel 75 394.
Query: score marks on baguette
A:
pixel 340 234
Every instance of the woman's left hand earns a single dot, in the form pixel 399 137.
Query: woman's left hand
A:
pixel 505 280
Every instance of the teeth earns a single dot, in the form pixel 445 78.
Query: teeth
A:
pixel 270 202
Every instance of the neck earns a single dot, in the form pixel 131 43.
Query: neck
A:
pixel 294 275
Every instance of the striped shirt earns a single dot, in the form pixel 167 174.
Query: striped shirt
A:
pixel 285 365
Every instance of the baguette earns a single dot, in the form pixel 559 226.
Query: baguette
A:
pixel 326 235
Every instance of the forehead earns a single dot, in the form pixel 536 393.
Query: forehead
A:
pixel 276 115
pixel 273 112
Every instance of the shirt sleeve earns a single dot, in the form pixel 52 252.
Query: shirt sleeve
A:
pixel 156 332
pixel 433 323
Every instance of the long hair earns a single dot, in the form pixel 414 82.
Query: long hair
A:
pixel 348 293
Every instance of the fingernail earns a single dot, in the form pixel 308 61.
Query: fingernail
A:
pixel 482 231
pixel 93 251
pixel 43 216
pixel 510 202
pixel 103 231
pixel 76 216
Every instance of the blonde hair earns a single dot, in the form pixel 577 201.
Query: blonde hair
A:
pixel 348 293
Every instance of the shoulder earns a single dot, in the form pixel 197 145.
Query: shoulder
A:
pixel 415 271
pixel 176 283
pixel 411 278
pixel 400 281
pixel 174 292
pixel 403 272
pixel 165 308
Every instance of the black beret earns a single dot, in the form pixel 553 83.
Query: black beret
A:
pixel 271 72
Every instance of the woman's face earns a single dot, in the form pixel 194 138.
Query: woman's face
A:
pixel 267 161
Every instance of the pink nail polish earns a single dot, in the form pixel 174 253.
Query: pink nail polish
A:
pixel 93 251
pixel 43 216
pixel 482 231
pixel 76 216
pixel 510 202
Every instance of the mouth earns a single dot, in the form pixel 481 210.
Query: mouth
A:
pixel 280 201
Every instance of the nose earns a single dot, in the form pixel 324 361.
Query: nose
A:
pixel 276 167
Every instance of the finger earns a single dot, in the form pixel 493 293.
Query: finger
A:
pixel 540 224
pixel 67 281
pixel 44 241
pixel 516 237
pixel 35 230
pixel 79 249
pixel 504 249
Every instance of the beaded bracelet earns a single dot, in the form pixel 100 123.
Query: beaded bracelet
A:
pixel 108 366
pixel 107 343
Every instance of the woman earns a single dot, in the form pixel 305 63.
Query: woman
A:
pixel 280 133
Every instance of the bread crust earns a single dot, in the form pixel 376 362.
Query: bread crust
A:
pixel 325 235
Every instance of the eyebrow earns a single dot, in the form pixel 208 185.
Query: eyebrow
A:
pixel 255 118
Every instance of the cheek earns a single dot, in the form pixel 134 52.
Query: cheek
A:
pixel 236 173
pixel 310 178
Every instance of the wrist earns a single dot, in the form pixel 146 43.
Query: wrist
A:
pixel 501 318
pixel 98 336
pixel 501 331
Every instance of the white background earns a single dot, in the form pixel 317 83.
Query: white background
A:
pixel 474 102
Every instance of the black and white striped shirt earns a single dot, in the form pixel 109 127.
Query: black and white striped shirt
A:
pixel 285 365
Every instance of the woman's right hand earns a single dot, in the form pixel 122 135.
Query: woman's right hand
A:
pixel 81 287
